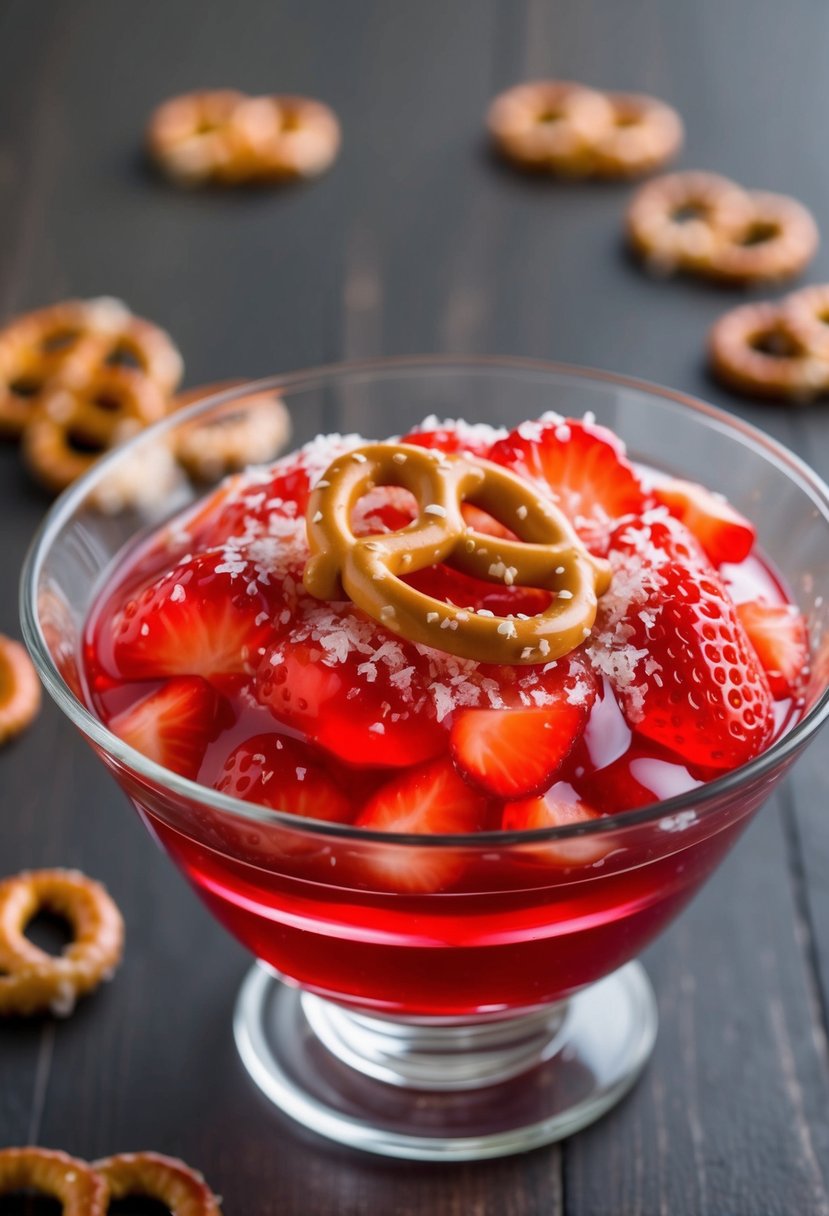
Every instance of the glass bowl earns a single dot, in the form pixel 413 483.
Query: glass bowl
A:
pixel 498 1006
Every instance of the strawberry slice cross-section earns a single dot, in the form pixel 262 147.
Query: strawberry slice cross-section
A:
pixel 172 725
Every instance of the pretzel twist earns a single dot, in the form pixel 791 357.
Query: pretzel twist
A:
pixel 368 569
pixel 70 343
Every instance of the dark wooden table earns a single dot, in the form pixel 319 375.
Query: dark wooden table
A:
pixel 416 242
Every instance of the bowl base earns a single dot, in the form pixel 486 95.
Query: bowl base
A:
pixel 446 1090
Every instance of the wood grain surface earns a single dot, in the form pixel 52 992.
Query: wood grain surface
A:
pixel 417 241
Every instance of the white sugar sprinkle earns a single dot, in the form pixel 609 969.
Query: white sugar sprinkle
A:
pixel 400 457
pixel 177 594
pixel 434 508
pixel 317 517
pixel 359 457
pixel 521 512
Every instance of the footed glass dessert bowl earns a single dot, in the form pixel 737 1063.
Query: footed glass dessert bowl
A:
pixel 445 932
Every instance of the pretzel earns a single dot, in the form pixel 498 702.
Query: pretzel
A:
pixel 74 425
pixel 550 124
pixel 806 317
pixel 754 350
pixel 179 1188
pixel 286 137
pixel 223 136
pixel 33 981
pixel 548 554
pixel 776 241
pixel 81 1191
pixel 646 134
pixel 679 221
pixel 191 138
pixel 19 689
pixel 70 342
pixel 249 430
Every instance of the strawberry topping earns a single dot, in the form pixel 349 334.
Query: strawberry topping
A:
pixel 669 639
pixel 173 725
pixel 283 774
pixel 208 616
pixel 582 467
pixel 724 534
pixel 778 634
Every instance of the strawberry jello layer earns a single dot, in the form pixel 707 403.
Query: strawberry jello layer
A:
pixel 207 654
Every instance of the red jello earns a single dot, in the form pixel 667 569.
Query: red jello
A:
pixel 206 653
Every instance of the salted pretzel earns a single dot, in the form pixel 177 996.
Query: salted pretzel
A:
pixel 80 1190
pixel 286 136
pixel 75 424
pixel 806 316
pixel 548 554
pixel 776 242
pixel 71 342
pixel 33 981
pixel 646 134
pixel 550 124
pixel 174 1184
pixel 755 350
pixel 19 689
pixel 248 430
pixel 680 220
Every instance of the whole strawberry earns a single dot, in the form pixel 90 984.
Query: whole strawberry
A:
pixel 668 638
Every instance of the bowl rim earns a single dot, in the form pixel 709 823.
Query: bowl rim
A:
pixel 700 799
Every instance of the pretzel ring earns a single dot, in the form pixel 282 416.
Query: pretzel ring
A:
pixel 681 219
pixel 181 1189
pixel 548 554
pixel 81 1191
pixel 36 981
pixel 776 241
pixel 248 430
pixel 646 134
pixel 19 689
pixel 74 426
pixel 806 314
pixel 191 138
pixel 286 137
pixel 753 350
pixel 71 341
pixel 550 124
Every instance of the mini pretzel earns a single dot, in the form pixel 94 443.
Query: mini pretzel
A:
pixel 806 316
pixel 33 981
pixel 192 140
pixel 754 350
pixel 286 137
pixel 72 341
pixel 181 1189
pixel 249 430
pixel 548 554
pixel 646 133
pixel 550 124
pixel 776 242
pixel 19 689
pixel 81 1191
pixel 679 221
pixel 75 425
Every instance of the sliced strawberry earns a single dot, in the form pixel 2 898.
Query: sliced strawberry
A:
pixel 636 779
pixel 432 799
pixel 778 634
pixel 208 616
pixel 669 639
pixel 560 807
pixel 455 587
pixel 173 725
pixel 281 773
pixel 361 698
pixel 383 509
pixel 725 534
pixel 511 753
pixel 455 437
pixel 582 466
